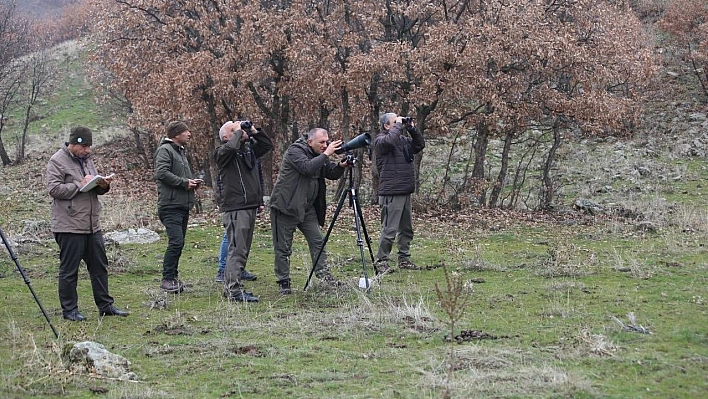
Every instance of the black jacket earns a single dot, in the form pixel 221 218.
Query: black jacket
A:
pixel 394 159
pixel 238 171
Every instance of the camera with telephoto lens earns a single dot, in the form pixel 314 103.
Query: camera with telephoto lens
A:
pixel 406 119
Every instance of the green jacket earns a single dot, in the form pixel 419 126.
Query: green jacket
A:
pixel 172 175
pixel 301 181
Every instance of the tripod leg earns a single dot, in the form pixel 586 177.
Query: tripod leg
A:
pixel 29 285
pixel 366 233
pixel 359 222
pixel 326 238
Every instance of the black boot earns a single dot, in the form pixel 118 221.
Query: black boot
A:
pixel 284 287
pixel 243 296
pixel 74 315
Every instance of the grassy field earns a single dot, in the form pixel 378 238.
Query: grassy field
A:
pixel 544 305
pixel 575 309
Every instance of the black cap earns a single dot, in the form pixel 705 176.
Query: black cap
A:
pixel 80 135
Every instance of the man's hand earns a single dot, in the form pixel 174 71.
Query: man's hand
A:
pixel 332 147
pixel 194 183
pixel 105 182
pixel 85 180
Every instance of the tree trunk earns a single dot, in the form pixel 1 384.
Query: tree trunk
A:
pixel 548 189
pixel 504 167
pixel 446 176
pixel 375 105
pixel 480 152
pixel 3 154
pixel 23 140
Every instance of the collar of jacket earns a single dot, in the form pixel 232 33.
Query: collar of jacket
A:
pixel 169 140
pixel 74 157
pixel 302 142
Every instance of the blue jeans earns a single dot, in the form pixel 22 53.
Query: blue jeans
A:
pixel 223 253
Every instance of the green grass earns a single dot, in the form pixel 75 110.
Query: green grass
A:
pixel 549 293
pixel 69 99
pixel 390 342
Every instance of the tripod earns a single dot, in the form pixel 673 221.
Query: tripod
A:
pixel 358 221
pixel 24 276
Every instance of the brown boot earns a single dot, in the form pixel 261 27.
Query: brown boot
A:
pixel 382 267
pixel 172 285
pixel 405 263
pixel 326 277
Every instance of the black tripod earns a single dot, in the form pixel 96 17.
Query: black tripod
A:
pixel 358 221
pixel 24 276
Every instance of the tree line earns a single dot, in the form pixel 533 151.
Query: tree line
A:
pixel 528 76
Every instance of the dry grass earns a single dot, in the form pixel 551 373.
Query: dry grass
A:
pixel 633 266
pixel 498 372
pixel 566 259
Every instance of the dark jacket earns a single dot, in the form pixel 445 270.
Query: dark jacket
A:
pixel 73 211
pixel 172 175
pixel 394 159
pixel 239 175
pixel 301 181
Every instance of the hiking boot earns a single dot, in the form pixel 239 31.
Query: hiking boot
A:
pixel 243 296
pixel 172 285
pixel 326 277
pixel 405 263
pixel 284 287
pixel 382 267
pixel 220 276
pixel 74 315
pixel 113 311
pixel 246 276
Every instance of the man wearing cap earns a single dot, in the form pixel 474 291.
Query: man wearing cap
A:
pixel 175 197
pixel 76 226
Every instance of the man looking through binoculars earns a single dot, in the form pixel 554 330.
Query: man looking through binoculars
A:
pixel 394 161
pixel 237 160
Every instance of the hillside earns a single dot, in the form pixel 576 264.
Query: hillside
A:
pixel 42 8
pixel 603 299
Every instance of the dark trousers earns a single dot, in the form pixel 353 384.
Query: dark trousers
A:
pixel 283 227
pixel 72 249
pixel 175 221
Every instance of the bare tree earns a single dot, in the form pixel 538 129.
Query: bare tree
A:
pixel 687 22
pixel 13 44
pixel 40 73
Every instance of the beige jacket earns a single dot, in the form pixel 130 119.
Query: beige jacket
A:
pixel 72 210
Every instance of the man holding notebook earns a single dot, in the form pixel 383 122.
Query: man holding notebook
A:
pixel 76 225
